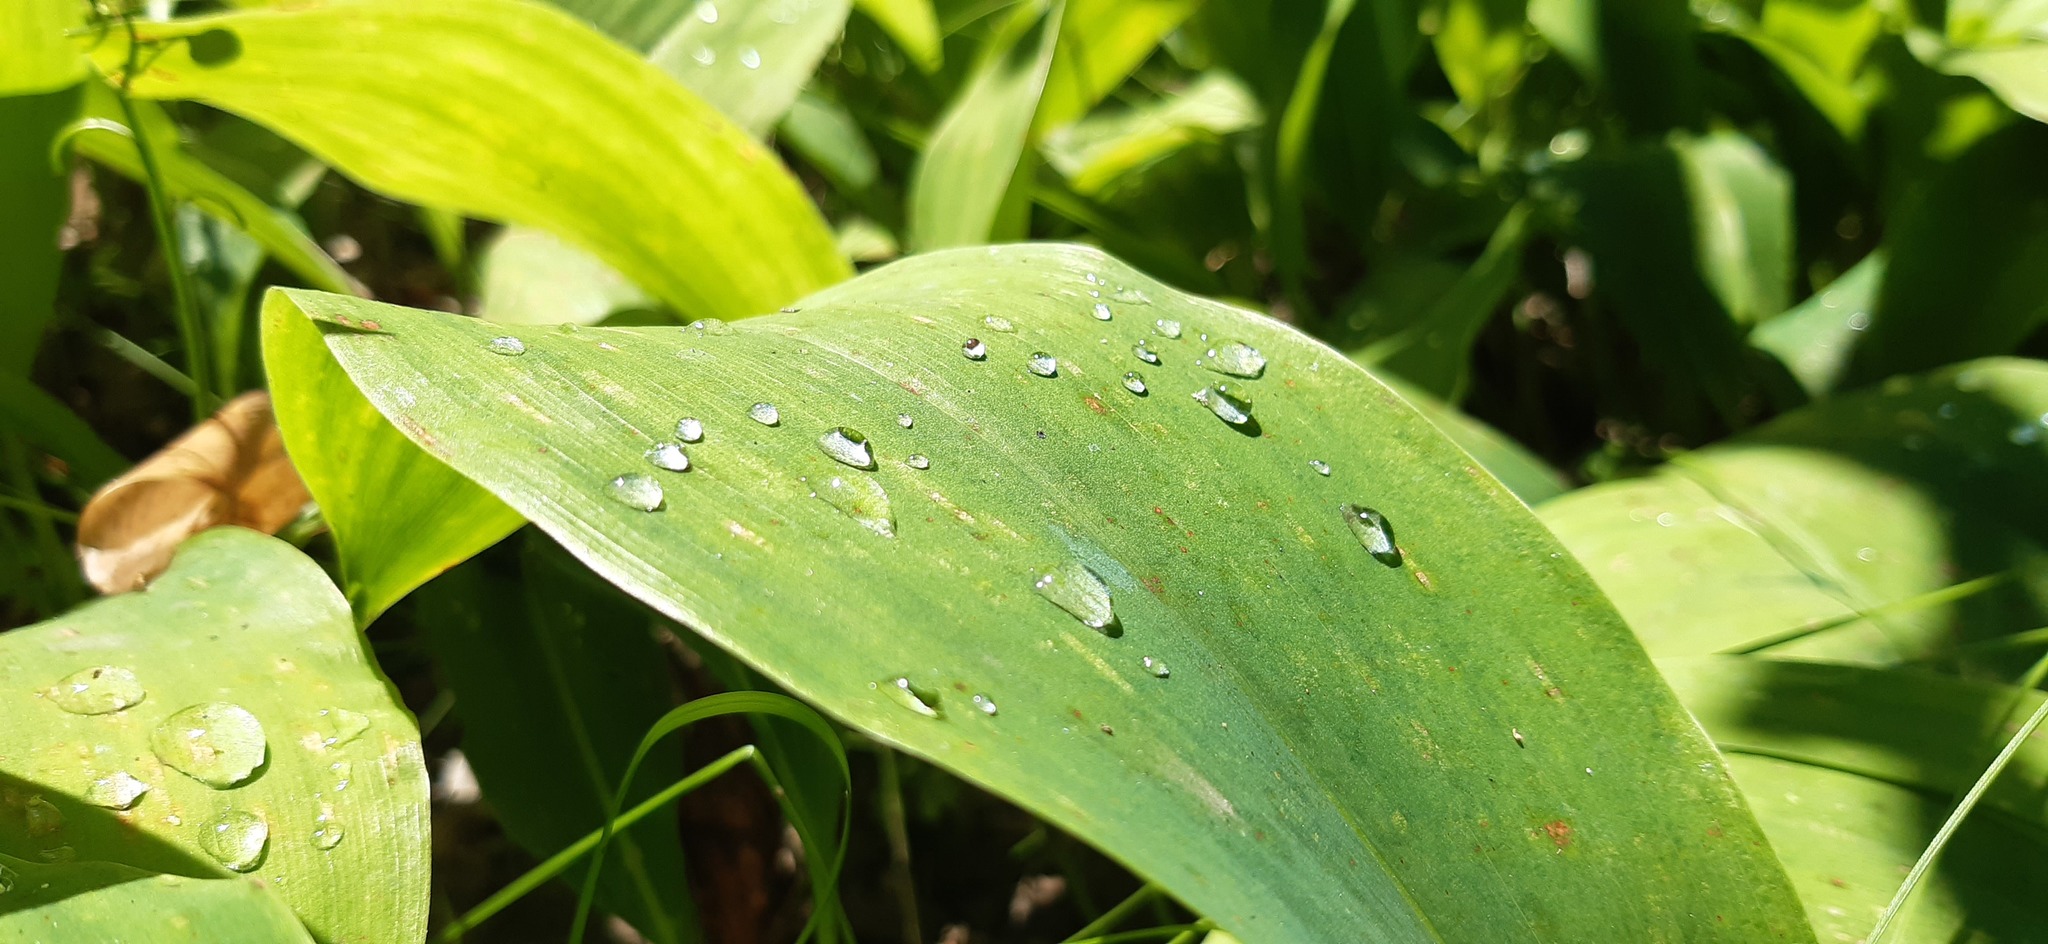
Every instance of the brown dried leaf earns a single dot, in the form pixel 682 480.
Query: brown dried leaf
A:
pixel 230 469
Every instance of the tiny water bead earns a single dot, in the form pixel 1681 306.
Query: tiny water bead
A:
pixel 116 791
pixel 985 705
pixel 1373 532
pixel 1074 588
pixel 339 726
pixel 637 490
pixel 1237 359
pixel 905 420
pixel 847 446
pixel 863 499
pixel 1321 467
pixel 750 57
pixel 902 692
pixel 508 346
pixel 1226 404
pixel 216 743
pixel 1156 667
pixel 1134 383
pixel 236 839
pixel 1042 364
pixel 43 817
pixel 96 691
pixel 707 11
pixel 999 323
pixel 974 349
pixel 1144 353
pixel 917 461
pixel 1167 328
pixel 669 456
pixel 1102 312
pixel 711 326
pixel 326 831
pixel 690 429
pixel 765 414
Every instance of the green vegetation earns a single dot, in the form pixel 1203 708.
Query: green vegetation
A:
pixel 1431 470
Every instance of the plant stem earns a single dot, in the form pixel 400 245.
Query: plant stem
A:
pixel 1117 914
pixel 27 506
pixel 894 826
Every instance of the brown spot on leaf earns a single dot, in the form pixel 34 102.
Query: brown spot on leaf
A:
pixel 1095 403
pixel 1559 831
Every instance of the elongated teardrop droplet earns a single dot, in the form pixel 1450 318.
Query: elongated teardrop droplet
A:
pixel 1167 328
pixel 1373 532
pixel 1225 403
pixel 508 346
pixel 861 498
pixel 635 490
pixel 690 429
pixel 1235 358
pixel 1321 467
pixel 847 446
pixel 116 791
pixel 1156 667
pixel 985 705
pixel 903 693
pixel 1144 353
pixel 999 323
pixel 669 456
pixel 765 414
pixel 1074 588
pixel 917 461
pixel 1134 383
pixel 1102 312
pixel 1043 364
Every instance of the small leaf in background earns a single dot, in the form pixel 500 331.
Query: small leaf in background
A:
pixel 781 552
pixel 1815 339
pixel 398 515
pixel 1096 152
pixel 229 470
pixel 54 902
pixel 1639 53
pixel 481 90
pixel 1435 350
pixel 965 174
pixel 530 277
pixel 749 59
pixel 1101 43
pixel 1741 204
pixel 245 630
pixel 46 423
pixel 913 25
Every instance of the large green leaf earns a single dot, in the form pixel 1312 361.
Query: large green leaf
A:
pixel 1338 731
pixel 35 54
pixel 81 902
pixel 1838 530
pixel 513 111
pixel 250 630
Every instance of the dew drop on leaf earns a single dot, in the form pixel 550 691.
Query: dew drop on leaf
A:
pixel 1074 588
pixel 750 57
pixel 712 326
pixel 116 791
pixel 236 839
pixel 43 816
pixel 847 446
pixel 1042 364
pixel 999 323
pixel 900 691
pixel 1226 404
pixel 765 414
pixel 327 831
pixel 97 690
pixel 707 11
pixel 1167 328
pixel 1374 533
pixel 690 429
pixel 905 420
pixel 974 349
pixel 1321 467
pixel 669 456
pixel 1144 353
pixel 1156 667
pixel 985 705
pixel 217 743
pixel 338 726
pixel 863 499
pixel 1134 383
pixel 1236 359
pixel 508 346
pixel 916 461
pixel 1132 296
pixel 635 490
pixel 1102 312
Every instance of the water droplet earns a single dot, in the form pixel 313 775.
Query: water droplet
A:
pixel 1373 532
pixel 1226 404
pixel 97 690
pixel 636 490
pixel 974 349
pixel 669 456
pixel 905 420
pixel 690 429
pixel 765 414
pixel 216 743
pixel 1156 666
pixel 116 791
pixel 339 726
pixel 508 346
pixel 847 446
pixel 1132 296
pixel 1090 278
pixel 1321 467
pixel 1167 328
pixel 917 461
pixel 705 55
pixel 1042 364
pixel 1074 588
pixel 1144 353
pixel 344 774
pixel 750 57
pixel 326 831
pixel 999 323
pixel 236 839
pixel 707 11
pixel 1134 383
pixel 713 326
pixel 1859 320
pixel 863 499
pixel 1236 359
pixel 985 705
pixel 900 691
pixel 43 816
pixel 1102 312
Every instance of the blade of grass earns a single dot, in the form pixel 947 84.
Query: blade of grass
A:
pixel 1116 915
pixel 894 825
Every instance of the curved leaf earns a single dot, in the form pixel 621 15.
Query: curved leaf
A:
pixel 1334 736
pixel 913 24
pixel 83 902
pixel 245 620
pixel 463 104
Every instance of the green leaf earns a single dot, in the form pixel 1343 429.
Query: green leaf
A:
pixel 2001 43
pixel 1101 42
pixel 45 422
pixel 35 54
pixel 1741 204
pixel 1530 478
pixel 1814 339
pixel 464 105
pixel 555 676
pixel 398 515
pixel 913 25
pixel 823 133
pixel 1480 44
pixel 1435 350
pixel 1882 526
pixel 964 175
pixel 1100 150
pixel 530 277
pixel 1638 52
pixel 750 61
pixel 247 621
pixel 1311 769
pixel 56 903
pixel 37 198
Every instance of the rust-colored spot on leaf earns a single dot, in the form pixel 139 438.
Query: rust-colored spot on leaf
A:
pixel 1155 584
pixel 1095 403
pixel 1559 831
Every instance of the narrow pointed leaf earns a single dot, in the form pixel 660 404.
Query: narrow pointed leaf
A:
pixel 1347 713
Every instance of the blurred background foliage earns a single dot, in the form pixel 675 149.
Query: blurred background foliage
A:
pixel 1586 236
